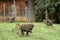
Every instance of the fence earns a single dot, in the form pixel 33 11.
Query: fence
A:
pixel 22 13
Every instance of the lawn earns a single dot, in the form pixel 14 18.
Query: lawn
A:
pixel 40 32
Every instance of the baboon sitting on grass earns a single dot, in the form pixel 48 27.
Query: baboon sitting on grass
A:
pixel 25 28
pixel 48 22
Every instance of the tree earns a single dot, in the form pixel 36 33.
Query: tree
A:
pixel 51 7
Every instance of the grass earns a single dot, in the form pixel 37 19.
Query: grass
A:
pixel 40 32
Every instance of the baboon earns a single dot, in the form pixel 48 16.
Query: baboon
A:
pixel 25 28
pixel 11 19
pixel 48 22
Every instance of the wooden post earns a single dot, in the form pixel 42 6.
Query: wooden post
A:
pixel 29 9
pixel 4 10
pixel 14 8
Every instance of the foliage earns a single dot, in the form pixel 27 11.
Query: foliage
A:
pixel 49 5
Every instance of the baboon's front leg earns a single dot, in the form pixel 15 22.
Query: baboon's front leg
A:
pixel 22 32
pixel 27 33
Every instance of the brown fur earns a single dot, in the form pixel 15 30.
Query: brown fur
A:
pixel 48 22
pixel 25 28
pixel 11 19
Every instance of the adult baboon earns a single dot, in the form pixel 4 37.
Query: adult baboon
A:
pixel 11 19
pixel 48 22
pixel 25 28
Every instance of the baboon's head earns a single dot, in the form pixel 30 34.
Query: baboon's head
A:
pixel 17 26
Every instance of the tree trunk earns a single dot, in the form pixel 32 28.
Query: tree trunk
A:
pixel 46 14
pixel 29 13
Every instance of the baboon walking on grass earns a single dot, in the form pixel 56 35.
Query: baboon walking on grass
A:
pixel 25 28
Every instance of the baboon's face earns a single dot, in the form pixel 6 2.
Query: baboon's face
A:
pixel 18 26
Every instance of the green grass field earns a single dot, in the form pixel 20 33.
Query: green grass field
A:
pixel 40 32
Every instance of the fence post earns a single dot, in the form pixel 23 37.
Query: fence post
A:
pixel 14 8
pixel 4 10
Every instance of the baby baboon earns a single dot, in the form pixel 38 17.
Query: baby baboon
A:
pixel 25 28
pixel 48 22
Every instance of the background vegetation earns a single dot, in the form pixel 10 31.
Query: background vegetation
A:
pixel 52 7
